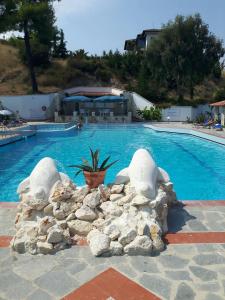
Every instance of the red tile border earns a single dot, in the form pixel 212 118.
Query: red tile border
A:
pixel 5 241
pixel 111 285
pixel 8 204
pixel 204 203
pixel 195 238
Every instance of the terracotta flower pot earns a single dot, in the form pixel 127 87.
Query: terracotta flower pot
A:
pixel 94 179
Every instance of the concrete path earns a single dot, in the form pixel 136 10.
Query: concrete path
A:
pixel 182 271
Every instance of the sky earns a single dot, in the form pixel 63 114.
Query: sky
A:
pixel 97 25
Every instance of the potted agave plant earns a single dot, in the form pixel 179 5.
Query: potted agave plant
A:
pixel 93 172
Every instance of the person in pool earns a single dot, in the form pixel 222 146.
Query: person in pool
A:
pixel 79 125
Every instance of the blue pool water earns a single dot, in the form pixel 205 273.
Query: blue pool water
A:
pixel 196 166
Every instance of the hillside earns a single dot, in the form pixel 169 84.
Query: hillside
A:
pixel 14 75
pixel 69 72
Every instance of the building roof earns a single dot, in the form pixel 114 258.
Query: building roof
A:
pixel 219 103
pixel 152 30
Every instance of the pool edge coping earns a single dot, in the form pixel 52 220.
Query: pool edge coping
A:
pixel 192 132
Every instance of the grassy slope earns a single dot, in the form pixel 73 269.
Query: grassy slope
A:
pixel 14 77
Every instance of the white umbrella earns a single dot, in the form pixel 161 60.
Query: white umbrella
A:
pixel 5 112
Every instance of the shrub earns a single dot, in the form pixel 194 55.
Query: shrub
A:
pixel 151 114
pixel 103 75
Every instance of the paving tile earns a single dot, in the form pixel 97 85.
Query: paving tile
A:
pixel 93 260
pixel 76 267
pixel 209 259
pixel 211 296
pixel 77 251
pixel 209 287
pixel 203 273
pixel 34 268
pixel 178 275
pixel 196 225
pixel 4 252
pixel 157 285
pixel 144 264
pixel 39 295
pixel 207 247
pixel 127 270
pixel 88 273
pixel 173 262
pixel 13 286
pixel 57 283
pixel 185 292
pixel 223 282
pixel 111 285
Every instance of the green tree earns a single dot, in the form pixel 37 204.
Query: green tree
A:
pixel 35 19
pixel 59 44
pixel 184 54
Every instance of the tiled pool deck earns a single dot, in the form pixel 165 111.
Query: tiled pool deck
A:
pixel 192 266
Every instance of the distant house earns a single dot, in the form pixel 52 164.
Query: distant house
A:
pixel 142 40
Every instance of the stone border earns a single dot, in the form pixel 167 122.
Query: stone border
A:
pixel 192 132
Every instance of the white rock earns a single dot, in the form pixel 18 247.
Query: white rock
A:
pixel 18 244
pixel 60 193
pixel 140 200
pixel 115 197
pixel 85 213
pixel 58 213
pixel 91 234
pixel 42 238
pixel 24 186
pixel 44 247
pixel 112 231
pixel 127 236
pixel 67 182
pixel 62 224
pixel 71 216
pixel 122 177
pixel 117 188
pixel 55 235
pixel 99 243
pixel 126 199
pixel 142 228
pixel 110 208
pixel 163 176
pixel 143 173
pixel 141 245
pixel 44 224
pixel 98 223
pixel 48 210
pixel 37 200
pixel 79 227
pixel 93 199
pixel 43 177
pixel 115 248
pixel 158 244
pixel 80 194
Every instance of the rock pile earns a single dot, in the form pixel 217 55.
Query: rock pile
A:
pixel 129 216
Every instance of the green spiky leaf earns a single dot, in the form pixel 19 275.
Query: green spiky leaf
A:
pixel 104 163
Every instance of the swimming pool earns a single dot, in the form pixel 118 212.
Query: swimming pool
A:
pixel 196 166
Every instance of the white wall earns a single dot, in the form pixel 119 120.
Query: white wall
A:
pixel 178 113
pixel 181 113
pixel 136 102
pixel 30 106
